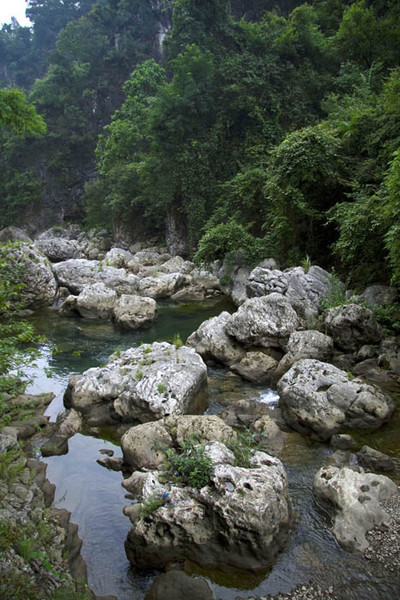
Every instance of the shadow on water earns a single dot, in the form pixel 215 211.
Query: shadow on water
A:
pixel 95 497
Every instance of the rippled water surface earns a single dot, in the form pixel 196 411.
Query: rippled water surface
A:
pixel 95 497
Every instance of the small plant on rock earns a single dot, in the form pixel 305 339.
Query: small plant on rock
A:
pixel 150 506
pixel 189 464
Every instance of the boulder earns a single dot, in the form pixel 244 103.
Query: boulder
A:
pixel 204 279
pixel 14 234
pixel 304 290
pixel 58 249
pixel 355 498
pixel 318 399
pixel 162 286
pixel 141 384
pixel 373 460
pixel 35 273
pixel 267 321
pixel 256 366
pixel 239 520
pixel 117 257
pixel 96 301
pixel 213 343
pixel 133 312
pixel 177 264
pixel 351 326
pixel 176 584
pixel 143 445
pixel 305 344
pixel 379 295
pixel 75 274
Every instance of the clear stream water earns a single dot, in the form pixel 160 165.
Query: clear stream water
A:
pixel 95 497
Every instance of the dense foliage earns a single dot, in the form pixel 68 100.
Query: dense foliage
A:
pixel 270 126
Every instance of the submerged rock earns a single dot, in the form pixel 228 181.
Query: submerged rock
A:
pixel 176 584
pixel 141 384
pixel 355 497
pixel 318 398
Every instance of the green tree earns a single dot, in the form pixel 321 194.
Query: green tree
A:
pixel 18 114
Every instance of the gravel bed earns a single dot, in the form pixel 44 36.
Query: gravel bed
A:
pixel 302 592
pixel 384 541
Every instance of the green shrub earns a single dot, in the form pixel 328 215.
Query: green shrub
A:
pixel 188 464
pixel 149 507
pixel 242 446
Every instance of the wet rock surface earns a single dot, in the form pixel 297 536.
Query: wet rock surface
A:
pixel 355 497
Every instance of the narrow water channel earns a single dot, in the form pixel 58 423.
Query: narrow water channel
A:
pixel 95 497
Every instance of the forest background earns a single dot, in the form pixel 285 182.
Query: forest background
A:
pixel 268 126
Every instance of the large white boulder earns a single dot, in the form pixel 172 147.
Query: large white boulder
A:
pixel 141 384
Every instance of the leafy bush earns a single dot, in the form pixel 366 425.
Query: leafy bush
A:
pixel 226 238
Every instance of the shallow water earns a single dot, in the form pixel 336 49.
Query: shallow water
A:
pixel 95 497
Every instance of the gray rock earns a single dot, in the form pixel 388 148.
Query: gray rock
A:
pixel 13 234
pixel 318 398
pixel 305 344
pixel 141 384
pixel 117 257
pixel 133 312
pixel 342 441
pixel 176 584
pixel 379 295
pixel 351 326
pixel 356 499
pixel 59 249
pixel 75 274
pixel 204 279
pixel 143 446
pixel 161 286
pixel 240 520
pixel 177 264
pixel 373 460
pixel 96 301
pixel 267 321
pixel 213 343
pixel 304 290
pixel 39 285
pixel 256 366
pixel 7 442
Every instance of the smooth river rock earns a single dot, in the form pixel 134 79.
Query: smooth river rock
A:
pixel 355 498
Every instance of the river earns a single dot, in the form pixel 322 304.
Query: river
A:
pixel 95 497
